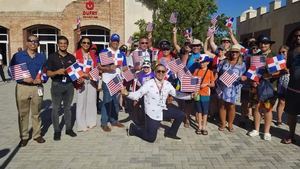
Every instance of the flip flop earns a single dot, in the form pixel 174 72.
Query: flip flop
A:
pixel 288 141
pixel 230 129
pixel 204 132
pixel 221 128
pixel 198 131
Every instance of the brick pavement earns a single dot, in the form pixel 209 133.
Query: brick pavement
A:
pixel 95 149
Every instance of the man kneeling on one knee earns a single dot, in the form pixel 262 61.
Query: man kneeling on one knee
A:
pixel 155 92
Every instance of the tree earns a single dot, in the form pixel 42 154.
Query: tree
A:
pixel 193 13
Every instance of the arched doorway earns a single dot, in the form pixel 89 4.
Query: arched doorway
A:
pixel 4 44
pixel 99 35
pixel 47 36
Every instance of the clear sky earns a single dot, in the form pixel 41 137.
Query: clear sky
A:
pixel 234 8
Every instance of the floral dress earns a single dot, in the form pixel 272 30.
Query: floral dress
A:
pixel 232 93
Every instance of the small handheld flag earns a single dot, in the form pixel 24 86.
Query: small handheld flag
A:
pixel 20 71
pixel 128 75
pixel 173 18
pixel 94 74
pixel 42 74
pixel 189 84
pixel 228 78
pixel 149 27
pixel 175 65
pixel 258 61
pixel 137 57
pixel 254 74
pixel 229 22
pixel 106 58
pixel 74 71
pixel 129 41
pixel 115 85
pixel 276 63
pixel 183 72
pixel 214 20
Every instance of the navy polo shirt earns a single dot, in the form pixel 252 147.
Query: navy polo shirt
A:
pixel 33 64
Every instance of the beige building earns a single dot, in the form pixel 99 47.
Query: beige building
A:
pixel 50 18
pixel 278 23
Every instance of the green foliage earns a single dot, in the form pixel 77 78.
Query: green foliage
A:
pixel 142 27
pixel 192 13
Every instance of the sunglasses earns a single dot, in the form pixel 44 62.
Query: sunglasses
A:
pixel 88 43
pixel 160 71
pixel 282 52
pixel 196 46
pixel 144 43
pixel 145 67
pixel 33 41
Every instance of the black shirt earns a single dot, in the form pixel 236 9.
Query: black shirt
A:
pixel 293 63
pixel 56 61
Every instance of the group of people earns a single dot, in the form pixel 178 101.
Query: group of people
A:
pixel 149 97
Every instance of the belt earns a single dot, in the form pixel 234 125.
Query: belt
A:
pixel 28 84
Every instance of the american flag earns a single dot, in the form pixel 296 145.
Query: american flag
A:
pixel 188 31
pixel 183 72
pixel 214 20
pixel 149 27
pixel 42 74
pixel 78 23
pixel 258 61
pixel 115 85
pixel 154 55
pixel 20 71
pixel 106 58
pixel 276 63
pixel 128 75
pixel 94 74
pixel 175 65
pixel 74 71
pixel 228 78
pixel 137 57
pixel 190 84
pixel 129 41
pixel 173 18
pixel 229 22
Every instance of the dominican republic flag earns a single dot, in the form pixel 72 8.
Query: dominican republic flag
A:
pixel 244 51
pixel 74 71
pixel 276 63
pixel 115 85
pixel 175 65
pixel 19 71
pixel 188 31
pixel 119 60
pixel 173 18
pixel 86 66
pixel 183 72
pixel 128 75
pixel 137 57
pixel 258 61
pixel 229 22
pixel 189 84
pixel 254 74
pixel 106 58
pixel 149 27
pixel 94 74
pixel 42 74
pixel 214 20
pixel 228 78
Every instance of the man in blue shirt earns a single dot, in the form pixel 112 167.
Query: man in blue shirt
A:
pixel 29 91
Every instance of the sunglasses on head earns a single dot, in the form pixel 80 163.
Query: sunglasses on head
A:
pixel 88 43
pixel 160 71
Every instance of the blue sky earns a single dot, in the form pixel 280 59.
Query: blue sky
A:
pixel 234 8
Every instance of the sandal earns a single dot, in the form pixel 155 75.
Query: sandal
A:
pixel 230 129
pixel 221 128
pixel 204 132
pixel 198 131
pixel 288 141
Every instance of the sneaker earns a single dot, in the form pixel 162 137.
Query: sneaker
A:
pixel 267 136
pixel 172 137
pixel 57 136
pixel 253 133
pixel 71 133
pixel 106 128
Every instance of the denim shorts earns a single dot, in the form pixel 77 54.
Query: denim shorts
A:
pixel 202 106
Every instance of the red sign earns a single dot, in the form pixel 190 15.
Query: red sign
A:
pixel 89 11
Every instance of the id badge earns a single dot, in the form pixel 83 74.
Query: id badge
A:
pixel 40 91
pixel 64 79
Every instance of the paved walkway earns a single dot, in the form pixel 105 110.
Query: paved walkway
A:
pixel 95 149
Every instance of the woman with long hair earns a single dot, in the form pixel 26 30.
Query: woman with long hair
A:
pixel 228 93
pixel 86 109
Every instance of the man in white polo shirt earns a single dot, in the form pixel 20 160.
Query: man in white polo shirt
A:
pixel 110 107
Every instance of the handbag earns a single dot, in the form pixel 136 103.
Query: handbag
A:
pixel 265 90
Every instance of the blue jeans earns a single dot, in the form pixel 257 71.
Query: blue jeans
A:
pixel 149 132
pixel 110 107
